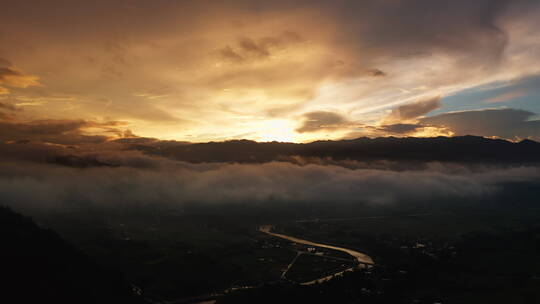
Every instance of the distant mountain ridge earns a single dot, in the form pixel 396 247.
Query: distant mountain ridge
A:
pixel 451 149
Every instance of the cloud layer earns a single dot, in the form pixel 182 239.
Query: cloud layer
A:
pixel 209 70
pixel 176 183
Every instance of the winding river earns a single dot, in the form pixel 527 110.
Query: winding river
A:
pixel 363 259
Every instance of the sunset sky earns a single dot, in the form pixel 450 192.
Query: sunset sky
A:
pixel 298 71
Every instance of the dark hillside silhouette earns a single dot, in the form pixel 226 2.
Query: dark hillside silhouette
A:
pixel 38 266
pixel 454 149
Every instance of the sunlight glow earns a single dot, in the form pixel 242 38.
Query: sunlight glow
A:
pixel 276 130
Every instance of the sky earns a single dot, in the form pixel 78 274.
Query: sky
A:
pixel 79 72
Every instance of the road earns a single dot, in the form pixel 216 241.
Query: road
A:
pixel 291 264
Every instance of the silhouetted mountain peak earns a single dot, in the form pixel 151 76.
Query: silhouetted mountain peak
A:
pixel 528 142
pixel 460 148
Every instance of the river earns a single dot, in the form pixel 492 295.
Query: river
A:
pixel 363 259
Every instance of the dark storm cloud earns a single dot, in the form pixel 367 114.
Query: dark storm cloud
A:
pixel 321 120
pixel 229 54
pixel 413 25
pixel 399 128
pixel 6 72
pixel 56 131
pixel 425 26
pixel 413 110
pixel 4 63
pixel 13 77
pixel 376 73
pixel 252 49
pixel 505 123
pixel 52 127
pixel 9 107
pixel 6 116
